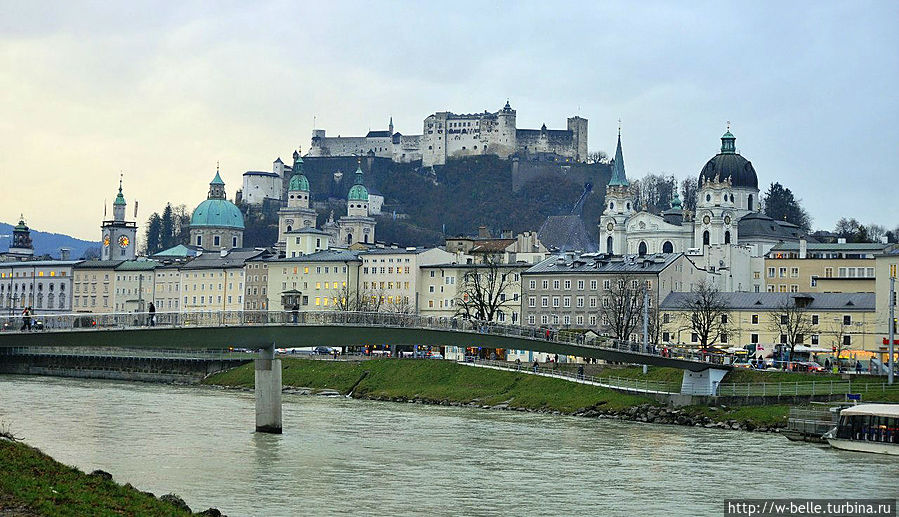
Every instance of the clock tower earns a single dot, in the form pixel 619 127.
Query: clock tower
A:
pixel 119 235
pixel 620 205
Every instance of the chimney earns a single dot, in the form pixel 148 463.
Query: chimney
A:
pixel 223 252
pixel 483 233
pixel 65 253
pixel 803 248
pixel 841 240
pixel 507 234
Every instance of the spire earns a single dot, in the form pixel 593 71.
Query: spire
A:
pixel 390 126
pixel 216 186
pixel 359 173
pixel 619 179
pixel 727 142
pixel 676 203
pixel 298 180
pixel 119 199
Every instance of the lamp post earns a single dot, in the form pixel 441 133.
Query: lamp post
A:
pixel 891 323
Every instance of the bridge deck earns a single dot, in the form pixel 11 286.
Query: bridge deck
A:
pixel 252 330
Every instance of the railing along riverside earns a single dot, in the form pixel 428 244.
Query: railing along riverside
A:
pixel 623 383
pixel 821 387
pixel 192 319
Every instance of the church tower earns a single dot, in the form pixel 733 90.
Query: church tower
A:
pixel 356 225
pixel 298 214
pixel 119 235
pixel 620 203
pixel 21 246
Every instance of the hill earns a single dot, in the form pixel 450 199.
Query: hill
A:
pixel 47 243
pixel 456 198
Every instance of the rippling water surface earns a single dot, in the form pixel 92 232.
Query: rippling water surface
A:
pixel 340 456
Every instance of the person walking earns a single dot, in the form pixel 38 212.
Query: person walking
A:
pixel 296 312
pixel 152 311
pixel 536 365
pixel 518 364
pixel 580 371
pixel 26 318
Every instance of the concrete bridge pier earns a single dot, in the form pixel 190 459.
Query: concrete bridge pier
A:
pixel 268 391
pixel 704 382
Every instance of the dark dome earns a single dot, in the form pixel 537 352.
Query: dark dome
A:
pixel 733 166
pixel 729 164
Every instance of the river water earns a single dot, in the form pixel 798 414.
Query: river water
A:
pixel 340 456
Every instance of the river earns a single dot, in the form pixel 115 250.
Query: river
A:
pixel 340 456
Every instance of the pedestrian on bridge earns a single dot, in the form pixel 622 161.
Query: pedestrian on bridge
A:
pixel 518 363
pixel 536 365
pixel 152 311
pixel 26 318
pixel 296 312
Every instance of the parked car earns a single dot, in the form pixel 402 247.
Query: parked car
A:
pixel 322 350
pixel 809 366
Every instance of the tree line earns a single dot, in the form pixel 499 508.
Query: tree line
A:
pixel 167 230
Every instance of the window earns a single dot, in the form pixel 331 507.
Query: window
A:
pixel 770 272
pixel 724 337
pixel 555 301
pixel 814 339
pixel 783 339
pixel 580 301
pixel 216 241
pixel 847 320
pixel 544 301
pixel 694 337
pixel 782 272
pixel 847 340
pixel 555 284
pixel 568 285
pixel 531 319
pixel 755 319
pixel 814 319
pixel 606 284
pixel 566 301
pixel 546 284
pixel 724 319
pixel 533 283
pixel 783 319
pixel 754 339
pixel 532 301
pixel 794 288
pixel 580 285
pixel 794 272
pixel 666 336
pixel 813 282
pixel 593 284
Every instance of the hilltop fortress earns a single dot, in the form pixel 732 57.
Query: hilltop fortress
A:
pixel 446 135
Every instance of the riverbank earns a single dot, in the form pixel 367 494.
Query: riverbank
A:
pixel 34 484
pixel 450 384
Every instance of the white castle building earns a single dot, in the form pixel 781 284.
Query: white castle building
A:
pixel 446 135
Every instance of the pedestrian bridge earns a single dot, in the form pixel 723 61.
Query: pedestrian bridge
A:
pixel 267 330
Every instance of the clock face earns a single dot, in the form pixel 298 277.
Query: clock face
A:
pixel 727 219
pixel 706 220
pixel 123 241
pixel 106 241
pixel 610 226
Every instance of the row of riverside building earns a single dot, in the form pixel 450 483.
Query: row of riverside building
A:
pixel 757 264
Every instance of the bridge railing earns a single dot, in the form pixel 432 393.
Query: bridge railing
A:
pixel 821 387
pixel 193 319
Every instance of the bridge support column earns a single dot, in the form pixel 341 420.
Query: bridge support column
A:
pixel 702 383
pixel 268 392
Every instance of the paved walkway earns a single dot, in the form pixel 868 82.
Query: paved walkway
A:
pixel 592 381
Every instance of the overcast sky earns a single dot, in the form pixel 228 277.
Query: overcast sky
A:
pixel 164 90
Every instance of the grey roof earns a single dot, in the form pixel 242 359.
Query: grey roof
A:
pixel 98 264
pixel 261 173
pixel 518 265
pixel 733 166
pixel 604 264
pixel 138 265
pixel 396 251
pixel 825 246
pixel 309 229
pixel 321 256
pixel 40 263
pixel 566 233
pixel 759 225
pixel 771 301
pixel 180 250
pixel 214 260
pixel 375 134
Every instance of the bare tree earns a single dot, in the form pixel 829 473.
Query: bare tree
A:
pixel 707 313
pixel 622 306
pixel 791 321
pixel 689 191
pixel 838 331
pixel 486 290
pixel 597 157
pixel 353 300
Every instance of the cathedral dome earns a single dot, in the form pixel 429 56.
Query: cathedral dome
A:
pixel 299 182
pixel 219 213
pixel 729 164
pixel 358 193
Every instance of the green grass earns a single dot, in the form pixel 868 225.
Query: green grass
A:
pixel 33 479
pixel 438 381
pixel 759 416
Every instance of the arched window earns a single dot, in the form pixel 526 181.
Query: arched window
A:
pixel 199 240
pixel 642 249
pixel 289 228
pixel 750 202
pixel 705 238
pixel 708 197
pixel 628 206
pixel 365 238
pixel 349 238
pixel 609 245
pixel 667 247
pixel 611 206
pixel 726 237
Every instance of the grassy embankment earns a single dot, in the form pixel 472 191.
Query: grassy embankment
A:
pixel 439 381
pixel 32 483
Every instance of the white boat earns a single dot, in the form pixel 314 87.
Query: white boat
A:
pixel 867 428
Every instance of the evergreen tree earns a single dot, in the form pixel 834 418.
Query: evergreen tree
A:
pixel 154 227
pixel 167 233
pixel 781 205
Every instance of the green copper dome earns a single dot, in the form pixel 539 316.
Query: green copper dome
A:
pixel 299 182
pixel 217 213
pixel 358 192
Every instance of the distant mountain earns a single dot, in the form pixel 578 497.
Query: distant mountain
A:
pixel 48 243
